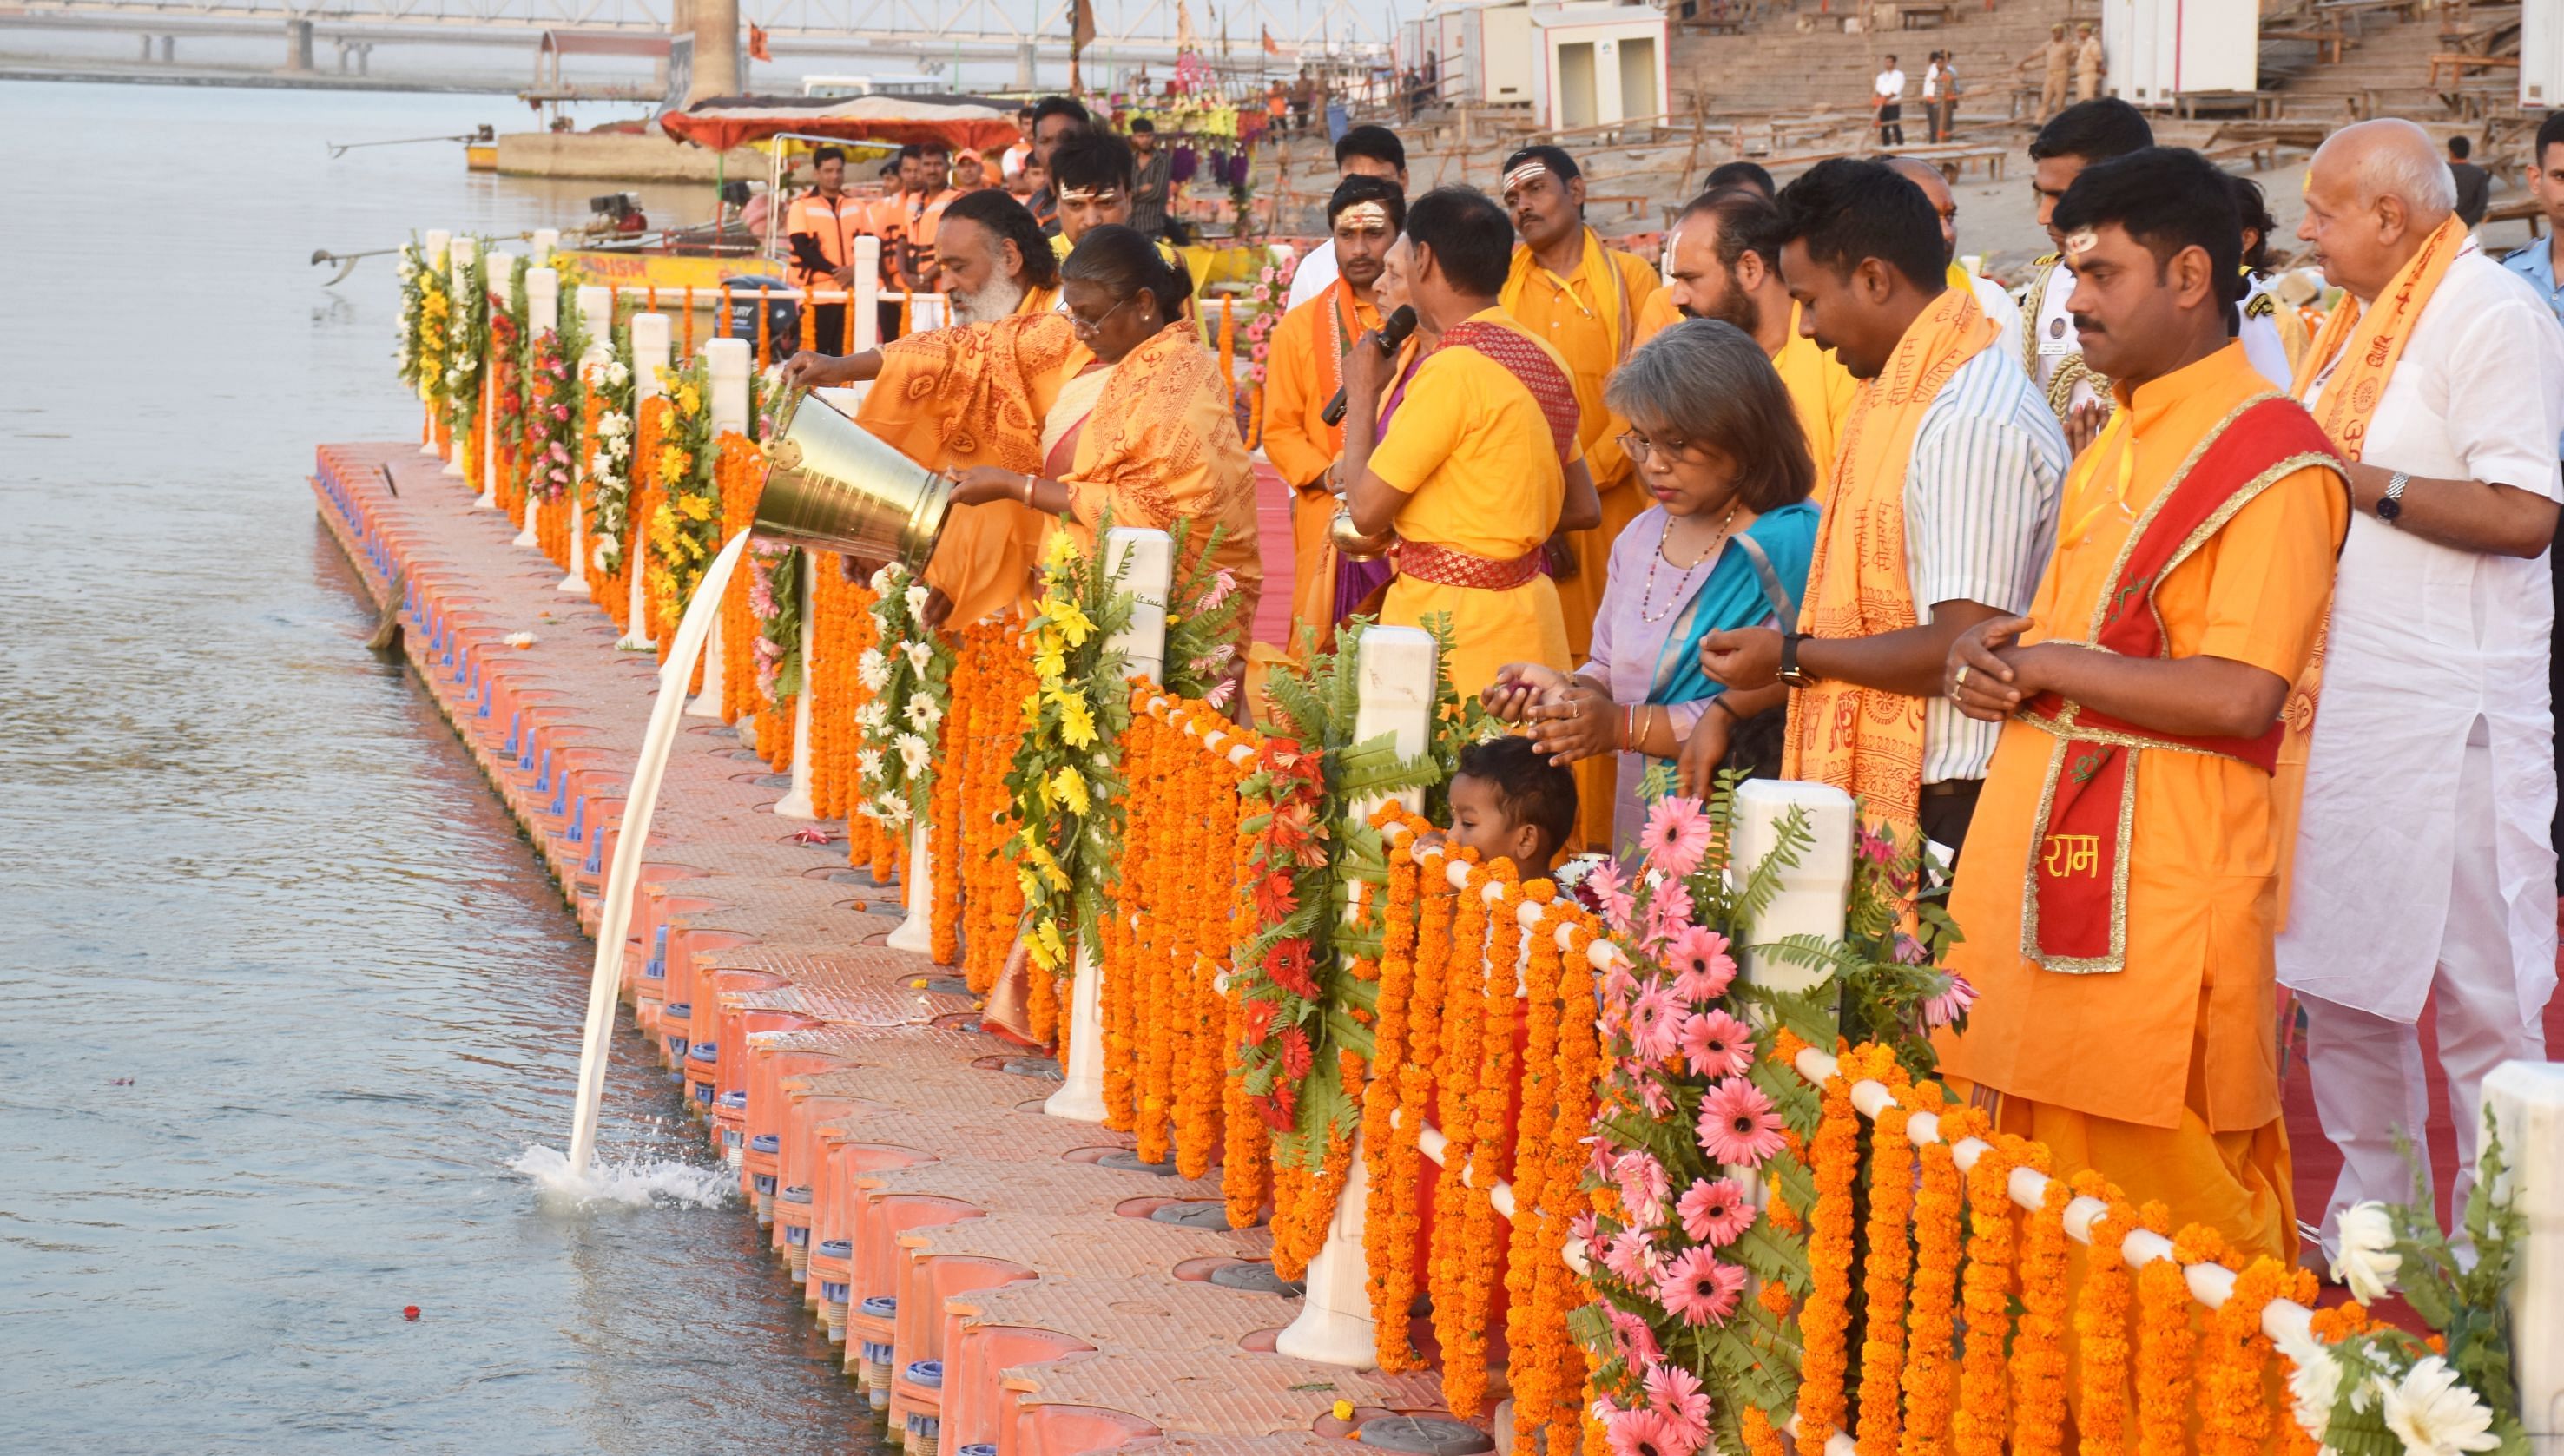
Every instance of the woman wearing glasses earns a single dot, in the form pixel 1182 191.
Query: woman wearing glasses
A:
pixel 1143 434
pixel 1716 442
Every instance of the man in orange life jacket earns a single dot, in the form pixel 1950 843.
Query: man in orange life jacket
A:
pixel 822 225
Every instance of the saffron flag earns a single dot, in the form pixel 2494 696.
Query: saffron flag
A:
pixel 756 50
pixel 1272 47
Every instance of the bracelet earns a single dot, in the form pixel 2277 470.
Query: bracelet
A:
pixel 1720 702
pixel 1029 490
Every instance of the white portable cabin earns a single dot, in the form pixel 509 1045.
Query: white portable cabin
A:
pixel 2159 49
pixel 2541 57
pixel 1596 61
pixel 1483 51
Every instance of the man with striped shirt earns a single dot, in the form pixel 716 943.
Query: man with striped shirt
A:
pixel 1940 510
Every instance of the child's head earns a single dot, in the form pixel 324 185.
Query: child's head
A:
pixel 1509 800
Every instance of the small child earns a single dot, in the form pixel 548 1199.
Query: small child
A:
pixel 1509 801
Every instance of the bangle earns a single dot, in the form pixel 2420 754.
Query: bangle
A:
pixel 1721 704
pixel 1029 490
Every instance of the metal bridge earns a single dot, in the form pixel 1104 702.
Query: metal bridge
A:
pixel 1124 30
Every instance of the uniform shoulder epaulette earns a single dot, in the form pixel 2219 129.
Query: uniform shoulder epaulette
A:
pixel 2047 259
pixel 2261 306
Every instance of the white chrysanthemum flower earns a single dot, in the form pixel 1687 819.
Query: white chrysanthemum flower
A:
pixel 912 752
pixel 616 375
pixel 872 716
pixel 2433 1414
pixel 917 601
pixel 872 670
pixel 597 464
pixel 922 714
pixel 921 654
pixel 2367 1261
pixel 882 578
pixel 868 762
pixel 893 811
pixel 611 425
pixel 602 556
pixel 2315 1382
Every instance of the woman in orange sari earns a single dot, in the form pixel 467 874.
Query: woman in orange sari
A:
pixel 1146 435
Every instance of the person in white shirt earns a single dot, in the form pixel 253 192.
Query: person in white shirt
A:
pixel 2423 872
pixel 1887 98
pixel 1363 151
pixel 2072 139
pixel 1932 98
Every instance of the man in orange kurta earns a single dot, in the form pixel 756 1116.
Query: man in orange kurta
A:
pixel 1304 369
pixel 1481 462
pixel 1584 301
pixel 2120 890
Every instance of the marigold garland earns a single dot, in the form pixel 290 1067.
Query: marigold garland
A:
pixel 2234 1414
pixel 1531 1324
pixel 1887 1273
pixel 1827 1317
pixel 1931 1374
pixel 2101 1325
pixel 2164 1345
pixel 1454 1270
pixel 1568 1366
pixel 1396 1194
pixel 1388 1253
pixel 1979 1425
pixel 2039 1337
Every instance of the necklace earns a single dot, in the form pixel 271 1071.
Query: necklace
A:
pixel 1647 591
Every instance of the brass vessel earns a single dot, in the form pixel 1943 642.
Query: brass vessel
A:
pixel 1351 544
pixel 833 486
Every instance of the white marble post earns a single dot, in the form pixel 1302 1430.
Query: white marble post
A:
pixel 1812 893
pixel 2526 1100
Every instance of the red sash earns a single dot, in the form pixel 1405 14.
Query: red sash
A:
pixel 2075 915
pixel 1522 357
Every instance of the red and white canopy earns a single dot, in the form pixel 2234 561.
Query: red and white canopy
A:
pixel 723 122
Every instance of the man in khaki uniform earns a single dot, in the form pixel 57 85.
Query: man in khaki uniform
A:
pixel 2059 54
pixel 2087 65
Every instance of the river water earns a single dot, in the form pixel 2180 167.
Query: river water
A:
pixel 284 990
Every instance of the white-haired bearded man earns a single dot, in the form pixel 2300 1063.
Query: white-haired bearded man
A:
pixel 2423 872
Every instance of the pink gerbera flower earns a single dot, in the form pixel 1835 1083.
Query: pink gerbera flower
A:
pixel 1644 1433
pixel 1643 1187
pixel 1715 1044
pixel 1737 1124
pixel 1676 836
pixel 1587 1229
pixel 1652 1095
pixel 1697 955
pixel 1700 1289
pixel 1951 1004
pixel 1674 1394
pixel 1669 911
pixel 1655 1022
pixel 1634 1257
pixel 1637 1343
pixel 1610 895
pixel 1715 1212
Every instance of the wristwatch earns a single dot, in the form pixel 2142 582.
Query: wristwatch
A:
pixel 2391 504
pixel 1790 673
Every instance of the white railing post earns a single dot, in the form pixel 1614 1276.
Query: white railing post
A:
pixel 2528 1104
pixel 458 257
pixel 916 934
pixel 543 315
pixel 1145 562
pixel 1813 892
pixel 795 804
pixel 863 308
pixel 597 319
pixel 496 272
pixel 649 356
pixel 546 242
pixel 726 361
pixel 432 245
pixel 1394 670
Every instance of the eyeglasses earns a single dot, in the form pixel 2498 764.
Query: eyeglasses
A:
pixel 1639 446
pixel 1081 326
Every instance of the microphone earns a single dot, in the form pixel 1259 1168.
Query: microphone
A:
pixel 1393 332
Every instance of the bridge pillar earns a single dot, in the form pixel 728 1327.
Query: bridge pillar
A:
pixel 298 45
pixel 715 27
pixel 1025 68
pixel 146 46
pixel 168 48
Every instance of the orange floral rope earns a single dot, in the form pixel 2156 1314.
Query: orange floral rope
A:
pixel 2164 1347
pixel 2234 1364
pixel 2102 1326
pixel 2038 1338
pixel 1454 1270
pixel 1569 1371
pixel 1531 1366
pixel 1886 1275
pixel 1977 1425
pixel 1835 1155
pixel 1931 1376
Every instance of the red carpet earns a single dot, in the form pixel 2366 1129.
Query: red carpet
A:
pixel 1273 523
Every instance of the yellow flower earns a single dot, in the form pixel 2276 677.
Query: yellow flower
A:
pixel 1058 551
pixel 1076 724
pixel 1050 662
pixel 1050 941
pixel 1026 883
pixel 1069 787
pixel 690 400
pixel 1072 623
pixel 696 507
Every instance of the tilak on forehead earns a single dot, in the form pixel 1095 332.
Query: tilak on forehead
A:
pixel 1088 194
pixel 2080 241
pixel 1363 217
pixel 1529 171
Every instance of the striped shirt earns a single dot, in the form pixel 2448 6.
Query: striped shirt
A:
pixel 1980 496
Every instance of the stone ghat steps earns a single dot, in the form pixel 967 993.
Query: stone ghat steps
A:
pixel 1776 66
pixel 998 1276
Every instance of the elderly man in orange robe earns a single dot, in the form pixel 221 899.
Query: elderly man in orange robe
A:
pixel 1305 367
pixel 2122 883
pixel 1584 301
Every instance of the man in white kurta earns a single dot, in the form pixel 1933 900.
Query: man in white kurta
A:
pixel 2423 868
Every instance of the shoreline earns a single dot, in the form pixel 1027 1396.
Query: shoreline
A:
pixel 250 79
pixel 1064 1295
